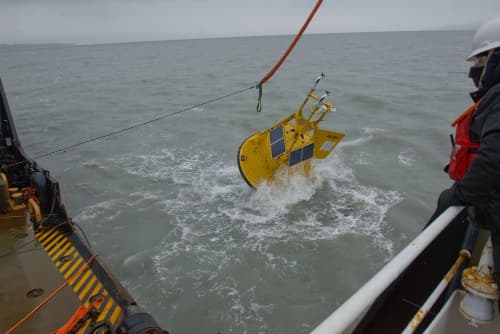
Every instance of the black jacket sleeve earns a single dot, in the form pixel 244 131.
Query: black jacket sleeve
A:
pixel 483 176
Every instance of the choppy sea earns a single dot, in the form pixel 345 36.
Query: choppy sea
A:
pixel 165 205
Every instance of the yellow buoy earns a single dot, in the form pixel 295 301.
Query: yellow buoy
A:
pixel 291 143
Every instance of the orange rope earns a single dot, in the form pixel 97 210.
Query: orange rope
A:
pixel 81 314
pixel 292 45
pixel 49 297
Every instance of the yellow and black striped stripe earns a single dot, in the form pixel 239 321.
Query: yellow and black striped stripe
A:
pixel 86 284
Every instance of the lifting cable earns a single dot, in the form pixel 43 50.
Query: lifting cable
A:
pixel 259 103
pixel 143 123
pixel 285 55
pixel 86 141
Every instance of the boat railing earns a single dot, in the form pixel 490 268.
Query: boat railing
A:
pixel 354 307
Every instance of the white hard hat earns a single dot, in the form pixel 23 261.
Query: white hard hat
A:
pixel 487 37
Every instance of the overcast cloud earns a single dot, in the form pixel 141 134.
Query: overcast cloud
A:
pixel 104 21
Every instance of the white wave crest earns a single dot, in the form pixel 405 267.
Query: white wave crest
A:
pixel 407 157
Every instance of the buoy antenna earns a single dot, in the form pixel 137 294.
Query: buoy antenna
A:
pixel 318 79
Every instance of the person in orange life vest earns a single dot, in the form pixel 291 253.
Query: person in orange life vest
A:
pixel 478 183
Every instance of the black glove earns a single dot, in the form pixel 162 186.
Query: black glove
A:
pixel 449 197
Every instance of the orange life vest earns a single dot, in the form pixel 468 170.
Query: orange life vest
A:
pixel 463 149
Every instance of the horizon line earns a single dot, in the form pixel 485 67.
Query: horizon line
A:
pixel 63 44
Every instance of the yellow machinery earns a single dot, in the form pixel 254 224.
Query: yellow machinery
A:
pixel 290 144
pixel 15 201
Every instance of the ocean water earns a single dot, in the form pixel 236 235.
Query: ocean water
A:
pixel 165 205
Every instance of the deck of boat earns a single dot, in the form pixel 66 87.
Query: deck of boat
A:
pixel 36 264
pixel 49 276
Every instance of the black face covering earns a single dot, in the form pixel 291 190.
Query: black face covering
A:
pixel 475 74
pixel 490 77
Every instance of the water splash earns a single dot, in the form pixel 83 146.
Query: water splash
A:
pixel 219 225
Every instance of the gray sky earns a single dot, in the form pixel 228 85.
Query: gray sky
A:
pixel 104 21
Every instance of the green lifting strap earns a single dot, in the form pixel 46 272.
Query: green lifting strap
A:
pixel 259 99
